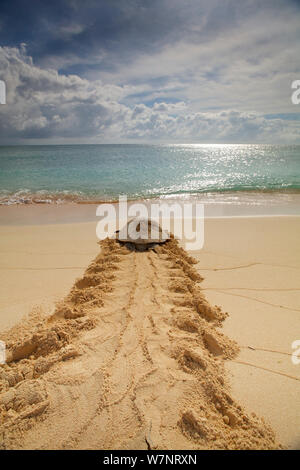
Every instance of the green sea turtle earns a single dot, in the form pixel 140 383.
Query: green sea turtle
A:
pixel 143 233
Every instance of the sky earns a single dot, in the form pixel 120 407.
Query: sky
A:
pixel 113 71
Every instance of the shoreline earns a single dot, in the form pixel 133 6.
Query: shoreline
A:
pixel 242 204
pixel 57 197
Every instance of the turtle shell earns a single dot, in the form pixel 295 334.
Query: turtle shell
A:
pixel 142 231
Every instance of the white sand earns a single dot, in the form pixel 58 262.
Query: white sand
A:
pixel 256 281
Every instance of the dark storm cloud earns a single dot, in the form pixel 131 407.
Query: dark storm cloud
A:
pixel 118 27
pixel 110 31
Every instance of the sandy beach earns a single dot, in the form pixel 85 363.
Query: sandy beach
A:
pixel 149 229
pixel 135 354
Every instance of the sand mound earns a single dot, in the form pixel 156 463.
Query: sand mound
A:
pixel 131 358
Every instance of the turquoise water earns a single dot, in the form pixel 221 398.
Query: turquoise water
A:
pixel 59 173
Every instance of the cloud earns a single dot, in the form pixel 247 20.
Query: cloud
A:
pixel 48 106
pixel 43 103
pixel 250 67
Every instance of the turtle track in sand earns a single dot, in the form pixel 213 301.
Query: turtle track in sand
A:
pixel 133 358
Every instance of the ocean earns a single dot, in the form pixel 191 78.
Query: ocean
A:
pixel 87 173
